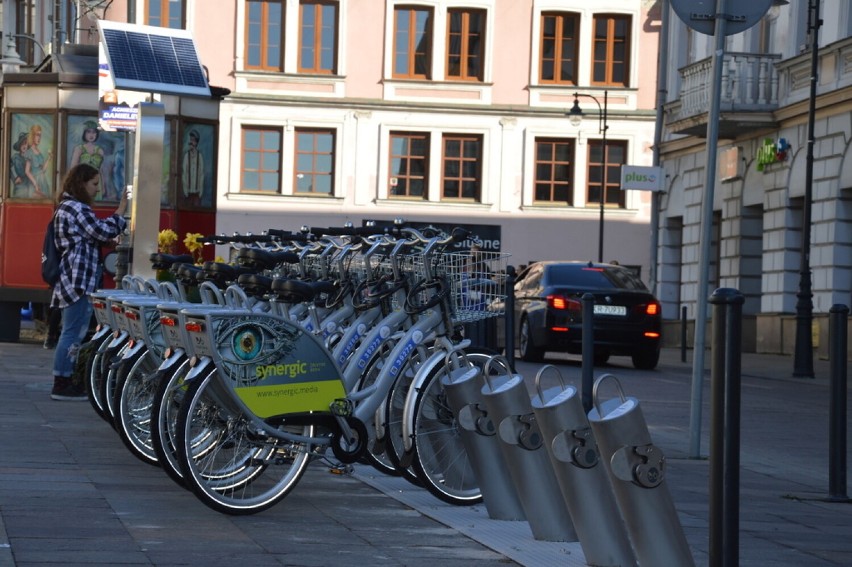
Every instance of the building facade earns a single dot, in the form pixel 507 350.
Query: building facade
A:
pixel 759 194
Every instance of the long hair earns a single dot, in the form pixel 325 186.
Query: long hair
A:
pixel 75 181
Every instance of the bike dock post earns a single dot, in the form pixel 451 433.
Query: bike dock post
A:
pixel 478 434
pixel 509 317
pixel 581 476
pixel 837 332
pixel 509 406
pixel 636 469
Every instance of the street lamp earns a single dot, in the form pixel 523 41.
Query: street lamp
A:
pixel 803 355
pixel 576 117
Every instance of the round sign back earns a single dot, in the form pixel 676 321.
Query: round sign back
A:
pixel 700 15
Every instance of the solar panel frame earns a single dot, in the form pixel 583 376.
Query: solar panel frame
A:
pixel 153 59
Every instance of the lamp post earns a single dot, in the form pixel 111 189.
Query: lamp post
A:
pixel 803 356
pixel 576 116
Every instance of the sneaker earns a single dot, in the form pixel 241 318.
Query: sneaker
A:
pixel 49 343
pixel 66 391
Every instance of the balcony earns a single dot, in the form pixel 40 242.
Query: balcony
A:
pixel 749 96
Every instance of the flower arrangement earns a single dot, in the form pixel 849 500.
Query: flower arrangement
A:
pixel 166 241
pixel 194 246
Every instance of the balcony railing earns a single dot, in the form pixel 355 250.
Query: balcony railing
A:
pixel 749 85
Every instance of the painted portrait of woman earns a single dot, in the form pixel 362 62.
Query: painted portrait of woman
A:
pixel 104 151
pixel 31 159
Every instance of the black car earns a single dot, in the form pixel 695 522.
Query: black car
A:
pixel 549 312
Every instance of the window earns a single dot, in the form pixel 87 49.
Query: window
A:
pixel 412 43
pixel 611 50
pixel 465 44
pixel 25 25
pixel 553 172
pixel 261 167
pixel 165 13
pixel 615 155
pixel 559 46
pixel 264 24
pixel 409 165
pixel 317 37
pixel 314 171
pixel 462 167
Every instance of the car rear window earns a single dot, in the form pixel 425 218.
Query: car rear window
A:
pixel 593 277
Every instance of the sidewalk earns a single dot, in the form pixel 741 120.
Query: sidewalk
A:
pixel 70 492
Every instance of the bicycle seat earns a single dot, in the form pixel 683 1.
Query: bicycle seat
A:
pixel 187 274
pixel 221 274
pixel 292 291
pixel 160 261
pixel 255 285
pixel 259 259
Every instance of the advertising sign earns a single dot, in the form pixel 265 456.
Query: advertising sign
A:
pixel 641 178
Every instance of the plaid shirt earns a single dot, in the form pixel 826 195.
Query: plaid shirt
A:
pixel 78 236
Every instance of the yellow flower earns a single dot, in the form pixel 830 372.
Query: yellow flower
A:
pixel 219 260
pixel 166 240
pixel 193 245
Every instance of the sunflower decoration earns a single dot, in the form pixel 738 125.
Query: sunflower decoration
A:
pixel 166 241
pixel 194 246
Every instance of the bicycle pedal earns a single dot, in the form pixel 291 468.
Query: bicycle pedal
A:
pixel 341 469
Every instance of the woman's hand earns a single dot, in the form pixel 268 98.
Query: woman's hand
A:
pixel 122 204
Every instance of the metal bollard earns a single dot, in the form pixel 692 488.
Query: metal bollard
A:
pixel 637 471
pixel 838 315
pixel 508 403
pixel 581 476
pixel 478 434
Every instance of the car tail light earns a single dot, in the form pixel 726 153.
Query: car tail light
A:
pixel 563 303
pixel 652 309
pixel 652 335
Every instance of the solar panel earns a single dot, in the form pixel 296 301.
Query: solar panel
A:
pixel 152 59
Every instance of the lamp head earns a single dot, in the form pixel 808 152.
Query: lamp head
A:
pixel 575 115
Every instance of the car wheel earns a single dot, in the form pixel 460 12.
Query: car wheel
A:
pixel 646 359
pixel 529 352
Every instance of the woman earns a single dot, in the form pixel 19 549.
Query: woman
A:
pixel 79 235
pixel 88 151
pixel 37 163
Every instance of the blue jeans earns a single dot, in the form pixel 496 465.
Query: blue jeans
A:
pixel 75 324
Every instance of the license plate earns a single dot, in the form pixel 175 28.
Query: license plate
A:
pixel 610 310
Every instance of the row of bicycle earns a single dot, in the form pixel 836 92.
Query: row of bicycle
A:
pixel 320 344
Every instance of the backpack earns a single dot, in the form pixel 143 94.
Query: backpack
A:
pixel 50 257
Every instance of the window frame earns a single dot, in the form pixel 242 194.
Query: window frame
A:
pixel 314 173
pixel 465 41
pixel 461 178
pixel 610 41
pixel 165 14
pixel 411 50
pixel 425 158
pixel 263 46
pixel 552 182
pixel 613 182
pixel 318 48
pixel 261 128
pixel 558 54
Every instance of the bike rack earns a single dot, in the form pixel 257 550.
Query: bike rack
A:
pixel 636 469
pixel 520 442
pixel 478 435
pixel 582 478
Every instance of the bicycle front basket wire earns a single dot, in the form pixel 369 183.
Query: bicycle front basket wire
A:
pixel 477 284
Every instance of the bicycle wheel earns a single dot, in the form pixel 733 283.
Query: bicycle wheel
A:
pixel 440 460
pixel 235 470
pixel 134 395
pixel 170 393
pixel 376 456
pixel 393 412
pixel 108 384
pixel 96 369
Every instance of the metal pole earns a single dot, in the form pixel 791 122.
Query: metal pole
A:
pixel 662 80
pixel 588 347
pixel 683 334
pixel 725 427
pixel 509 320
pixel 803 363
pixel 604 166
pixel 706 233
pixel 839 315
